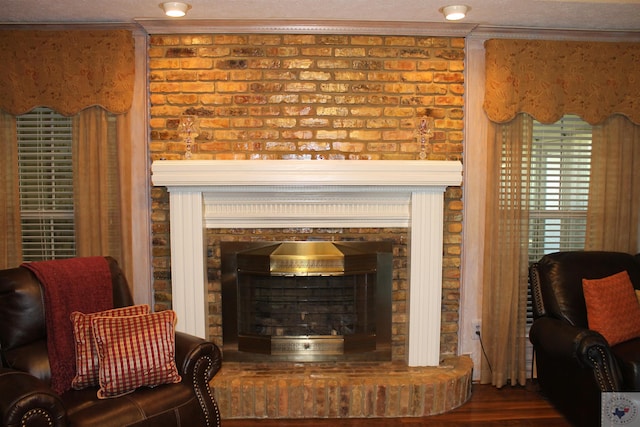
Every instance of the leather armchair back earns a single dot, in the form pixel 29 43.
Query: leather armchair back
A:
pixel 22 325
pixel 556 281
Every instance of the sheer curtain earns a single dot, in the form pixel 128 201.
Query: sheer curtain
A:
pixel 101 184
pixel 10 234
pixel 504 298
pixel 546 80
pixel 614 194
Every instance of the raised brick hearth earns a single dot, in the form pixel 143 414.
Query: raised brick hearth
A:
pixel 365 390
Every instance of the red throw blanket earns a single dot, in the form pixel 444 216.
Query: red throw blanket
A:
pixel 74 284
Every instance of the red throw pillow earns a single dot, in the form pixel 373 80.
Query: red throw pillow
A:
pixel 86 355
pixel 135 351
pixel 612 307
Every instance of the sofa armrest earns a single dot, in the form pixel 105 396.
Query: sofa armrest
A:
pixel 570 344
pixel 199 360
pixel 27 401
pixel 191 349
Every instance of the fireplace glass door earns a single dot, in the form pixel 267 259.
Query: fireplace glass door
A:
pixel 301 312
pixel 311 301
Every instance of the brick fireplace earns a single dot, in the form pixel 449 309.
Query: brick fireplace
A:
pixel 315 97
pixel 245 194
pixel 285 194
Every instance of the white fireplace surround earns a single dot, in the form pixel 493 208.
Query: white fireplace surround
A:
pixel 297 193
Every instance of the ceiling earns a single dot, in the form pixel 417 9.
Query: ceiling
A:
pixel 615 15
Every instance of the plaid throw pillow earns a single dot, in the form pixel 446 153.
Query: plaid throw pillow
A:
pixel 86 355
pixel 135 351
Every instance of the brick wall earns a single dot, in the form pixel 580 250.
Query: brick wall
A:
pixel 265 96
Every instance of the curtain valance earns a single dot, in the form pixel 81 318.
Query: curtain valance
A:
pixel 66 70
pixel 548 79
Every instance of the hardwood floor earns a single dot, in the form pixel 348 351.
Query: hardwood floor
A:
pixel 489 406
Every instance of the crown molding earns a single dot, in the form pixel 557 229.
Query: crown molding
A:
pixel 399 28
pixel 485 32
pixel 66 26
pixel 227 26
pixel 51 26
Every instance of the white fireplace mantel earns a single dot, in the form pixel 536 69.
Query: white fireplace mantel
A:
pixel 292 193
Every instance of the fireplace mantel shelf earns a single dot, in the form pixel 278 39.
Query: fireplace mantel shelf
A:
pixel 293 193
pixel 306 173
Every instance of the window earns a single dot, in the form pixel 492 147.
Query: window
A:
pixel 559 186
pixel 45 172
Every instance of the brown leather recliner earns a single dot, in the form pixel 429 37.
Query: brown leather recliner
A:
pixel 27 400
pixel 575 364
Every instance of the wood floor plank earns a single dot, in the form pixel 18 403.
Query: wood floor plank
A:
pixel 488 407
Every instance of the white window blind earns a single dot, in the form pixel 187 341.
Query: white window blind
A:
pixel 559 186
pixel 46 184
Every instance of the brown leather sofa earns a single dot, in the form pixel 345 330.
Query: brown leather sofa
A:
pixel 27 400
pixel 575 364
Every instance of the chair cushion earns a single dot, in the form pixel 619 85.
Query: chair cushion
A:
pixel 86 355
pixel 612 307
pixel 167 405
pixel 135 351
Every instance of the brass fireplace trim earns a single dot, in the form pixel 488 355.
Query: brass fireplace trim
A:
pixel 305 258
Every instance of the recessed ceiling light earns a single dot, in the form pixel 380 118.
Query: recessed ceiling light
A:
pixel 455 12
pixel 175 9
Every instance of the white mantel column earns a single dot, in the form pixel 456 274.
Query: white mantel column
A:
pixel 425 277
pixel 188 258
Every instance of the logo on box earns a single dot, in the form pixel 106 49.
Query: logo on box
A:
pixel 620 409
